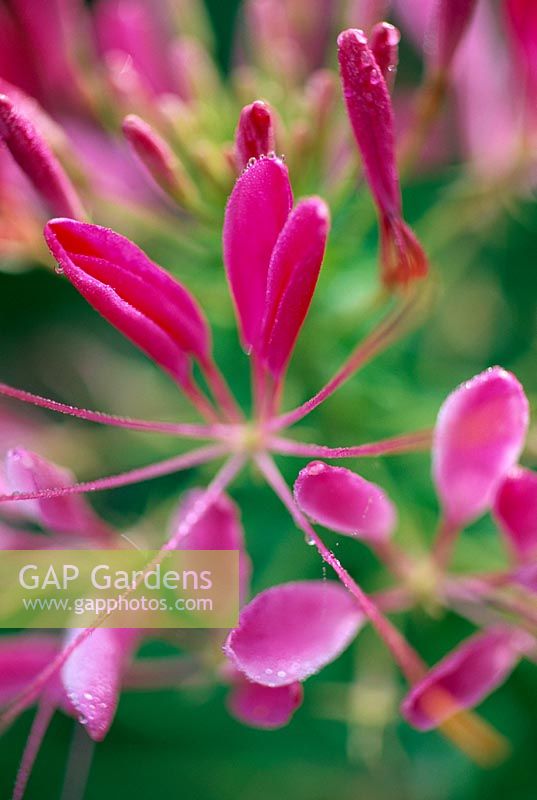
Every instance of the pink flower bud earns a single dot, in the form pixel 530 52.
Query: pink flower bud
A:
pixel 478 438
pixel 345 502
pixel 291 631
pixel 153 152
pixel 384 44
pixel 256 213
pixel 294 268
pixel 37 161
pixel 465 677
pixel 254 136
pixel 134 294
pixel 515 509
pixel 371 116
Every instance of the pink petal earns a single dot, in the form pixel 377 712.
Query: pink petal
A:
pixel 264 706
pixel 256 213
pixel 478 437
pixel 292 277
pixel 34 157
pixel 92 674
pixel 526 576
pixel 71 514
pixel 465 677
pixel 515 509
pixel 345 502
pixel 522 26
pixel 291 631
pixel 254 136
pixel 22 657
pixel 219 528
pixel 402 256
pixel 134 294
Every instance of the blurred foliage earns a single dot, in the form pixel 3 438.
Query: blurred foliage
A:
pixel 346 741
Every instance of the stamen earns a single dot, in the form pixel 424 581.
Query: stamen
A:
pixel 39 728
pixel 398 322
pixel 171 428
pixel 408 443
pixel 221 391
pixel 175 464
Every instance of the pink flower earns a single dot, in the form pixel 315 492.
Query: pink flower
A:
pixel 478 437
pixel 465 677
pixel 384 44
pixel 515 509
pixel 289 632
pixel 522 25
pixel 447 26
pixel 345 502
pixel 264 706
pixel 371 116
pixel 254 136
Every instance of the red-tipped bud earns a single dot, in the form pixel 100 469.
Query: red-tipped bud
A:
pixel 254 136
pixel 384 43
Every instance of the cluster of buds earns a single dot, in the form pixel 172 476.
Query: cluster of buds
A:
pixel 156 95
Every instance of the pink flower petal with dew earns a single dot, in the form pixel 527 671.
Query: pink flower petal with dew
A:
pixel 254 136
pixel 71 514
pixel 255 214
pixel 22 658
pixel 132 292
pixel 33 155
pixel 92 675
pixel 465 677
pixel 219 528
pixel 345 502
pixel 291 631
pixel 264 706
pixel 515 509
pixel 478 437
pixel 292 277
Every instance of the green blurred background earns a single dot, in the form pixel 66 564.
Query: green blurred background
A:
pixel 347 740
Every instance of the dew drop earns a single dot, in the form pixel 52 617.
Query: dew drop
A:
pixel 282 673
pixel 88 696
pixel 59 270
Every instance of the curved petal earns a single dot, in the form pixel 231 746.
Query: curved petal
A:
pixel 345 502
pixel 219 528
pixel 256 213
pixel 135 295
pixel 291 631
pixel 71 514
pixel 292 277
pixel 254 136
pixel 92 674
pixel 264 706
pixel 515 509
pixel 465 677
pixel 478 437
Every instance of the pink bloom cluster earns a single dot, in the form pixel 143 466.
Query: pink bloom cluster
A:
pixel 273 250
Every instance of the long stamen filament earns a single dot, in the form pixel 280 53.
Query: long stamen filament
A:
pixel 184 461
pixel 408 443
pixel 172 428
pixel 39 728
